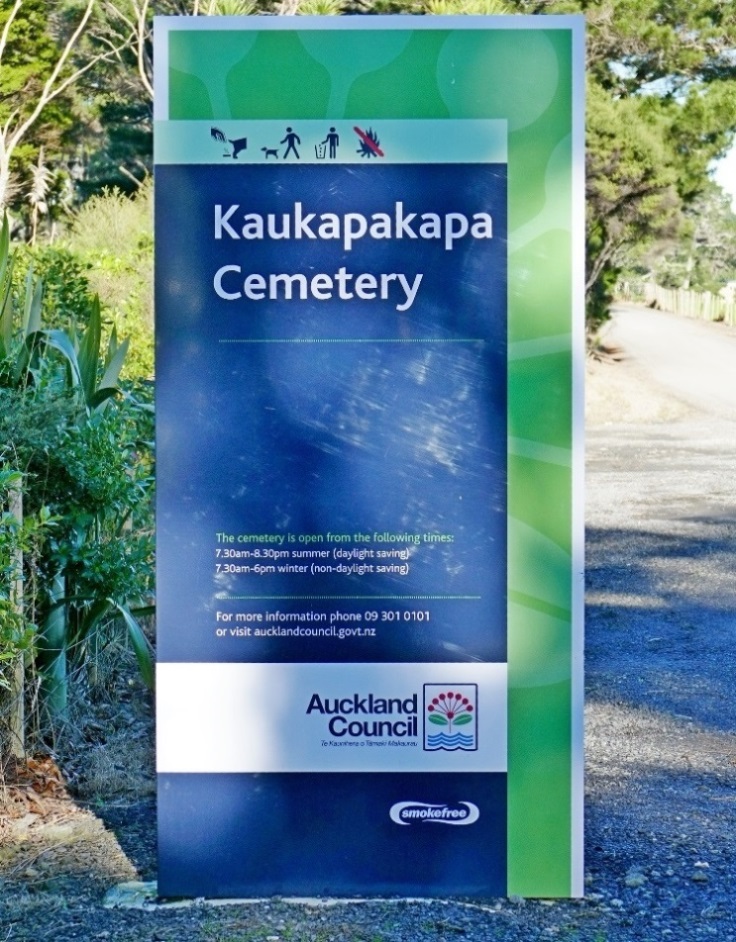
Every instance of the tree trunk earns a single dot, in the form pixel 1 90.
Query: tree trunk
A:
pixel 4 177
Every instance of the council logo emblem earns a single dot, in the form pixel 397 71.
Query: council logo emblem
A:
pixel 450 717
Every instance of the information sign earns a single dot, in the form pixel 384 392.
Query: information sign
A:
pixel 369 336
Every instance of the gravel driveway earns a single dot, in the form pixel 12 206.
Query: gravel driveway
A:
pixel 661 627
pixel 661 750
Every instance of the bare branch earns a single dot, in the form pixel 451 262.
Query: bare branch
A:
pixel 124 170
pixel 48 92
pixel 117 11
pixel 140 38
pixel 6 127
pixel 600 263
pixel 8 23
pixel 114 51
pixel 136 22
pixel 65 53
pixel 49 95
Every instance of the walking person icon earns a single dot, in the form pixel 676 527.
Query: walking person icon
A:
pixel 332 140
pixel 291 140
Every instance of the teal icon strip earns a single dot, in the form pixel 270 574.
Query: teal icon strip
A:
pixel 360 141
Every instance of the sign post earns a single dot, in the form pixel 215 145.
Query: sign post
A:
pixel 369 344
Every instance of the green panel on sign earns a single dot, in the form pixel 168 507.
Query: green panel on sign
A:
pixel 540 394
pixel 506 74
pixel 207 61
pixel 539 571
pixel 540 651
pixel 350 54
pixel 188 95
pixel 539 788
pixel 541 497
pixel 256 89
pixel 407 87
pixel 541 285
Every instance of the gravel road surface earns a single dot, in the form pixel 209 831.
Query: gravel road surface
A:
pixel 661 625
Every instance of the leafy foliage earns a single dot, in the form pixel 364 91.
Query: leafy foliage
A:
pixel 66 425
pixel 38 107
pixel 26 64
pixel 67 293
pixel 700 256
pixel 631 189
pixel 21 539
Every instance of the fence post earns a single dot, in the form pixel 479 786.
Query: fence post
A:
pixel 18 678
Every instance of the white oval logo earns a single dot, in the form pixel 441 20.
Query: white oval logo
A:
pixel 421 812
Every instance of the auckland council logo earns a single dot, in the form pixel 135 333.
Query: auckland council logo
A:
pixel 451 717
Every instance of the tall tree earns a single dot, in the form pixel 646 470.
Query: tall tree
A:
pixel 661 108
pixel 38 71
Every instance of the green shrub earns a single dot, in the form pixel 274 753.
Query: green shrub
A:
pixel 67 292
pixel 112 238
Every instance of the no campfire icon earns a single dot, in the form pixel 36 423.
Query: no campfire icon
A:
pixel 370 146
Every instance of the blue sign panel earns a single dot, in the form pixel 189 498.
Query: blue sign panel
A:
pixel 331 405
pixel 333 413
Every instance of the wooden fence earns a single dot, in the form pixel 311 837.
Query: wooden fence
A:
pixel 701 305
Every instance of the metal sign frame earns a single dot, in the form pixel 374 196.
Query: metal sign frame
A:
pixel 370 345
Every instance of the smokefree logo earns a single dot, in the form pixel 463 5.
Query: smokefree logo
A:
pixel 422 812
pixel 450 717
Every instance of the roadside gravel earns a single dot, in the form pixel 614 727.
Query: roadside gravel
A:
pixel 660 721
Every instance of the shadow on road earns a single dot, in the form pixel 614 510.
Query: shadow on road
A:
pixel 661 618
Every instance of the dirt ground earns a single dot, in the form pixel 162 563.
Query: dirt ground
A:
pixel 619 393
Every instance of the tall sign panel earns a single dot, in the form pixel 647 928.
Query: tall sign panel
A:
pixel 369 335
